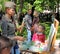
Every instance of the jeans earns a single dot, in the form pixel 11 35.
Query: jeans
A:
pixel 15 51
pixel 29 35
pixel 12 50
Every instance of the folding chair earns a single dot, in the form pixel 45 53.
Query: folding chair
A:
pixel 51 40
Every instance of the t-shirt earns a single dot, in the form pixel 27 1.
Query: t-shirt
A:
pixel 38 37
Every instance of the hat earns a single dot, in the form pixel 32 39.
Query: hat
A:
pixel 10 4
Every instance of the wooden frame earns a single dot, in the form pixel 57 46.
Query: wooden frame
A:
pixel 56 23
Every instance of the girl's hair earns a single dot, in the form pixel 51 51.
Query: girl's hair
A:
pixel 43 27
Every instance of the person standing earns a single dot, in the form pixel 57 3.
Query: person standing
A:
pixel 27 20
pixel 35 22
pixel 8 24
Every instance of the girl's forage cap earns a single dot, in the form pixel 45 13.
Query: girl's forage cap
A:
pixel 10 4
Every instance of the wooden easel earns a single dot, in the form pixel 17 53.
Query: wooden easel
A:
pixel 56 23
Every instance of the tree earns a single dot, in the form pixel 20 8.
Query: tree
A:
pixel 40 5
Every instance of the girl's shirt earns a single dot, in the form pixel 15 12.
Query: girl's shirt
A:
pixel 38 37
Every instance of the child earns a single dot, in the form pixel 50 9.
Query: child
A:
pixel 39 35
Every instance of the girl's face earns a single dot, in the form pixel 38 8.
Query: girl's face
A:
pixel 40 29
pixel 36 27
pixel 11 11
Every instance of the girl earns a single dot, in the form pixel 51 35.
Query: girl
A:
pixel 39 35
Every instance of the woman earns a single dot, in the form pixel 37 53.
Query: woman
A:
pixel 35 22
pixel 8 23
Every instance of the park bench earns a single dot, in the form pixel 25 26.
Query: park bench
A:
pixel 51 40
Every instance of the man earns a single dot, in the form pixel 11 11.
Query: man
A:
pixel 28 23
pixel 5 45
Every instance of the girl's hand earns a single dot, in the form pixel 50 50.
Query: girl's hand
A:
pixel 19 38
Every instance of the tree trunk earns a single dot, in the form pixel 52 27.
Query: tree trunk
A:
pixel 21 5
